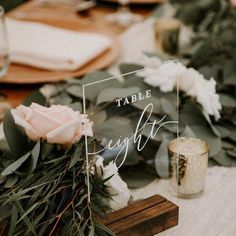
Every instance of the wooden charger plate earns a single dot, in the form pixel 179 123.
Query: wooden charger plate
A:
pixel 21 74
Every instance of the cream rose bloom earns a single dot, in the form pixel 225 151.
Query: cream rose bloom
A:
pixel 205 93
pixel 120 194
pixel 163 75
pixel 56 124
pixel 170 75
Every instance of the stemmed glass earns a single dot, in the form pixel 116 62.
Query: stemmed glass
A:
pixel 124 16
pixel 4 55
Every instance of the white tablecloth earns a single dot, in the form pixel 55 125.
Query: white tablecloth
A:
pixel 212 214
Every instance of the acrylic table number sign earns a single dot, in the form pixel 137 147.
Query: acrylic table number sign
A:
pixel 132 124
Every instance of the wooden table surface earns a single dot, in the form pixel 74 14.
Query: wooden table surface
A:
pixel 30 10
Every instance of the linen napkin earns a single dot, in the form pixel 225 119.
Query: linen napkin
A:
pixel 52 48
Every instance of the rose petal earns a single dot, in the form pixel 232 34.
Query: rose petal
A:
pixel 63 134
pixel 42 123
pixel 38 107
pixel 31 133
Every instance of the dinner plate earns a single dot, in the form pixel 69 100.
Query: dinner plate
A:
pixel 21 74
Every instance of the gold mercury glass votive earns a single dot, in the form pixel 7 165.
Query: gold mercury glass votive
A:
pixel 188 166
pixel 166 33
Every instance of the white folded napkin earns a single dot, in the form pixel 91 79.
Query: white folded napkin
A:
pixel 52 48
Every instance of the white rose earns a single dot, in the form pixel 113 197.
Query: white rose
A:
pixel 205 93
pixel 194 84
pixel 163 76
pixel 56 124
pixel 170 75
pixel 120 194
pixel 188 78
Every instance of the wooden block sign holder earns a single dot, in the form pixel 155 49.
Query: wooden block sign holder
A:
pixel 143 218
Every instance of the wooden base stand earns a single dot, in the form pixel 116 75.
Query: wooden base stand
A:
pixel 143 218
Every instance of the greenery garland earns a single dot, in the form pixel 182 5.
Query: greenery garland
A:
pixel 43 188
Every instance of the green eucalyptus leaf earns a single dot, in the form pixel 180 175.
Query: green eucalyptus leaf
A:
pixel 16 139
pixel 233 135
pixel 206 134
pixel 91 231
pixel 40 216
pixel 230 73
pixel 188 132
pixel 28 211
pixel 34 157
pixel 46 149
pixel 209 71
pixel 4 146
pixel 35 97
pixel 224 131
pixel 25 219
pixel 213 128
pixel 110 94
pixel 142 104
pixel 11 180
pixel 75 90
pixel 162 159
pixel 98 117
pixel 227 101
pixel 191 115
pixel 231 153
pixel 138 181
pixel 114 129
pixel 162 132
pixel 230 80
pixel 14 217
pixel 227 145
pixel 5 212
pixel 95 84
pixel 76 156
pixel 225 160
pixel 76 106
pixel 129 68
pixel 104 228
pixel 173 128
pixel 2 179
pixel 169 108
pixel 94 77
pixel 134 79
pixel 15 165
pixel 62 99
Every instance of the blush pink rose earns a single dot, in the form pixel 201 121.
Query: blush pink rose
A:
pixel 56 124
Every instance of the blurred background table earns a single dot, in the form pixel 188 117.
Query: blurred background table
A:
pixel 33 11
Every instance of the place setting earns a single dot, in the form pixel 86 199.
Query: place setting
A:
pixel 31 61
pixel 116 120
